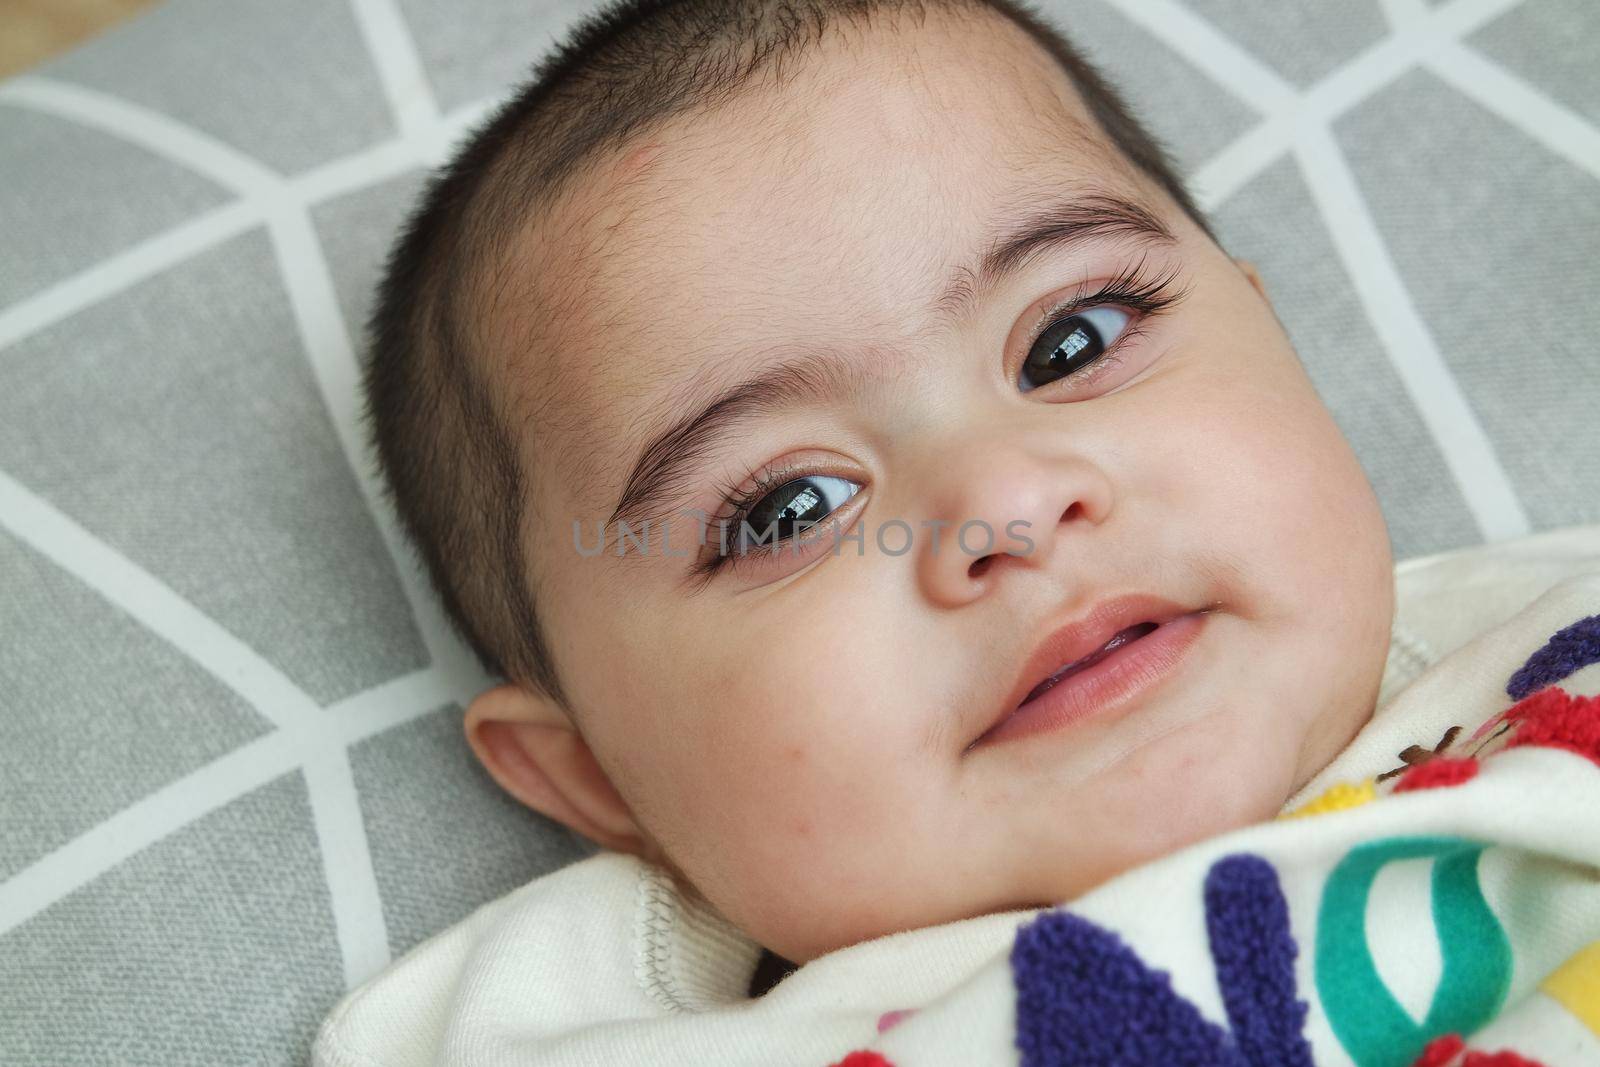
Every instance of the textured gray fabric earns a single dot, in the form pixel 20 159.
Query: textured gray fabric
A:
pixel 1540 40
pixel 476 48
pixel 289 82
pixel 82 196
pixel 1301 41
pixel 214 946
pixel 196 443
pixel 232 781
pixel 1192 116
pixel 98 710
pixel 356 230
pixel 1273 223
pixel 428 881
pixel 1503 260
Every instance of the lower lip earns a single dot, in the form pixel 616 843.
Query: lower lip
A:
pixel 1111 684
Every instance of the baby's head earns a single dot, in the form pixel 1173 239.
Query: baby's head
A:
pixel 910 274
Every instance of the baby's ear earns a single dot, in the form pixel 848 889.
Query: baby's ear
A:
pixel 528 745
pixel 1254 275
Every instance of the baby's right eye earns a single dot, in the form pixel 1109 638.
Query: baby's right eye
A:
pixel 790 509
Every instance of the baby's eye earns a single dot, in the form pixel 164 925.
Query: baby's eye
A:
pixel 790 509
pixel 1071 343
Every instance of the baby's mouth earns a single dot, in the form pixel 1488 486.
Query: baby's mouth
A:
pixel 1118 629
pixel 1122 637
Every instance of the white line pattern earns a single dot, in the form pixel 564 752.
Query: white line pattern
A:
pixel 1562 131
pixel 1306 122
pixel 306 733
pixel 315 741
pixel 1463 444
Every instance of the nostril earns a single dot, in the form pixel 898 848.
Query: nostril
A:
pixel 1073 512
pixel 979 566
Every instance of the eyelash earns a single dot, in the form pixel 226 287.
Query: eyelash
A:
pixel 1134 288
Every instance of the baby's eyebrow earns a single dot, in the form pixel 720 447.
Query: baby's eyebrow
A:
pixel 1047 222
pixel 1053 221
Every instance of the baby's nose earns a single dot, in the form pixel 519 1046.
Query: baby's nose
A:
pixel 1000 507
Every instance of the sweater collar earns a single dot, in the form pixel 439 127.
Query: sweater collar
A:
pixel 688 957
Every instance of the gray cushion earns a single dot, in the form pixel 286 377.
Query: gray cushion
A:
pixel 232 782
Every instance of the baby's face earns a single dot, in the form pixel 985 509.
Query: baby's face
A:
pixel 795 731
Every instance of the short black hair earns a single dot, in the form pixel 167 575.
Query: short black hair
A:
pixel 443 432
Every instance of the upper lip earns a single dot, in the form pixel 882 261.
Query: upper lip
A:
pixel 1078 638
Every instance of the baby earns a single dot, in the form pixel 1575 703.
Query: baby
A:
pixel 886 501
pixel 869 281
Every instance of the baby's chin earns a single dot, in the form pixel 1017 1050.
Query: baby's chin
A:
pixel 1058 866
pixel 1222 772
pixel 1051 885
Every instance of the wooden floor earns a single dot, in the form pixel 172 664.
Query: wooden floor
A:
pixel 32 31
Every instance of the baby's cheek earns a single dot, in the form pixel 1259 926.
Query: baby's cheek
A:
pixel 1308 478
pixel 1319 545
pixel 1228 770
pixel 810 826
pixel 1277 489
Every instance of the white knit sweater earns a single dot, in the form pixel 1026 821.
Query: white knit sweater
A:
pixel 1460 898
